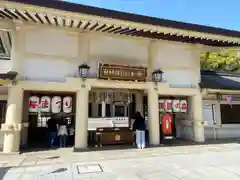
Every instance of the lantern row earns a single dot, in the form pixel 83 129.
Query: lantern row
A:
pixel 172 106
pixel 48 104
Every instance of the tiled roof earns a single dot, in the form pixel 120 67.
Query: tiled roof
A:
pixel 220 80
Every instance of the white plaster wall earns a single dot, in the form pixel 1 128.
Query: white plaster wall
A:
pixel 53 54
pixel 51 42
pixel 50 55
pixel 48 70
pixel 114 50
pixel 182 78
pixel 5 66
pixel 119 51
pixel 175 55
pixel 181 64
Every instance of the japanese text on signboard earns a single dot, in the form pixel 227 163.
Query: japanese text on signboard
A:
pixel 119 72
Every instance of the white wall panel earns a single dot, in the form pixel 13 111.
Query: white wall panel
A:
pixel 5 66
pixel 175 55
pixel 180 78
pixel 47 69
pixel 120 49
pixel 51 42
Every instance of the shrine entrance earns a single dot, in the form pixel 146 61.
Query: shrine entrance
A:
pixel 172 111
pixel 111 113
pixel 39 107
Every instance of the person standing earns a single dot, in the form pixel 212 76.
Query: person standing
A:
pixel 71 134
pixel 52 131
pixel 139 126
pixel 63 133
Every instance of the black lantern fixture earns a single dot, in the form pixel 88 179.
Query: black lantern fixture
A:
pixel 83 70
pixel 157 76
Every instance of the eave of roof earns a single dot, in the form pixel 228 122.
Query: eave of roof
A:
pixel 105 13
pixel 218 80
pixel 220 73
pixel 73 7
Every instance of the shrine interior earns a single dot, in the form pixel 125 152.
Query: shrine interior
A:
pixel 110 113
pixel 36 135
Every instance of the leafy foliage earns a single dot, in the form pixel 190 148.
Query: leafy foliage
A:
pixel 227 59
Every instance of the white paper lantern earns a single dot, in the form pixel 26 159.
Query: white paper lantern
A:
pixel 56 104
pixel 45 104
pixel 161 105
pixel 33 104
pixel 176 106
pixel 168 105
pixel 183 106
pixel 67 104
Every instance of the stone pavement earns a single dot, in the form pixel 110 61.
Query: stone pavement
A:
pixel 169 163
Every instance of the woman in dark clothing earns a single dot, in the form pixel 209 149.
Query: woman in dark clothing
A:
pixel 139 126
pixel 52 131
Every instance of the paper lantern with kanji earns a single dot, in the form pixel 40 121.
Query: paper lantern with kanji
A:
pixel 33 104
pixel 161 106
pixel 56 104
pixel 176 105
pixel 168 105
pixel 67 104
pixel 183 106
pixel 45 104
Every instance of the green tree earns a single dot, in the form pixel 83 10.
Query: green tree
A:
pixel 226 59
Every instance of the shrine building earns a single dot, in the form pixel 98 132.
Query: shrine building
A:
pixel 98 67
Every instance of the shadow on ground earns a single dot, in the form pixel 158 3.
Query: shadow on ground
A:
pixel 164 143
pixel 3 172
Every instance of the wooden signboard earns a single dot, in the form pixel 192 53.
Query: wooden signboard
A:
pixel 120 72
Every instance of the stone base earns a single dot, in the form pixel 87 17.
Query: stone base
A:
pixel 81 149
pixel 10 153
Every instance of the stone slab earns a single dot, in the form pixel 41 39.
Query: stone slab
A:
pixel 89 168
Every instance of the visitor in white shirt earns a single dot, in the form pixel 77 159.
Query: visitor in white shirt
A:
pixel 63 133
pixel 71 134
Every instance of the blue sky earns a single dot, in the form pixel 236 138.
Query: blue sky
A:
pixel 218 13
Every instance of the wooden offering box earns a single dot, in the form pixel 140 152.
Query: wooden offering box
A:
pixel 114 136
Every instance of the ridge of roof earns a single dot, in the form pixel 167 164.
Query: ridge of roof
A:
pixel 102 12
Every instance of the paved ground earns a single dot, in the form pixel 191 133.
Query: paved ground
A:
pixel 220 162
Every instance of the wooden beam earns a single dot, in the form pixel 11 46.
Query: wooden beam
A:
pixel 20 15
pixel 39 18
pixel 30 16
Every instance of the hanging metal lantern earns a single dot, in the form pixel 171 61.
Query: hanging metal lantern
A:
pixel 157 75
pixel 83 70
